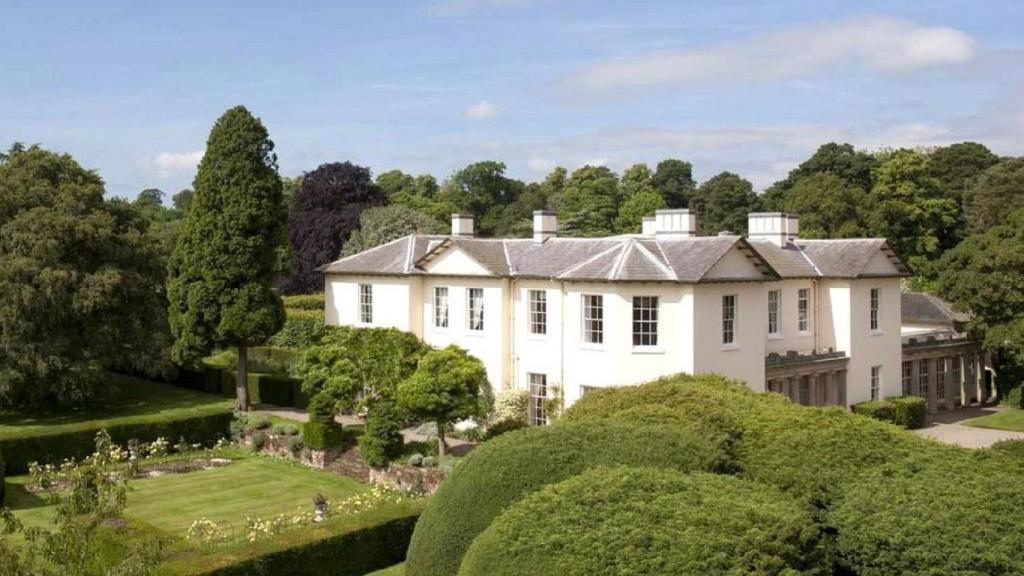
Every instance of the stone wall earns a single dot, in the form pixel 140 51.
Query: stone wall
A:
pixel 409 478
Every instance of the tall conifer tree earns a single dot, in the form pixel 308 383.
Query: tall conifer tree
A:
pixel 223 266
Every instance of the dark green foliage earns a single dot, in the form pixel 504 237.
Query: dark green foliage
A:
pixel 483 190
pixel 984 275
pixel 1010 448
pixel 673 179
pixel 302 329
pixel 223 266
pixel 722 204
pixel 324 212
pixel 910 412
pixel 828 206
pixel 502 471
pixel 994 195
pixel 381 441
pixel 1014 397
pixel 82 283
pixel 944 511
pixel 322 436
pixel 645 521
pixel 841 160
pixel 504 426
pixel 204 427
pixel 304 302
pixel 3 472
pixel 445 388
pixel 344 546
pixel 383 224
pixel 588 203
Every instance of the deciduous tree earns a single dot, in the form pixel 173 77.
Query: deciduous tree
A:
pixel 383 224
pixel 842 160
pixel 445 388
pixel 223 266
pixel 673 179
pixel 828 206
pixel 994 195
pixel 722 204
pixel 588 203
pixel 324 213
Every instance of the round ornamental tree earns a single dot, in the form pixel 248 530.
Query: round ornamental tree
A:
pixel 82 283
pixel 501 471
pixel 646 521
pixel 223 266
pixel 445 388
pixel 324 213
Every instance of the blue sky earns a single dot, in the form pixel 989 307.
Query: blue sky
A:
pixel 132 88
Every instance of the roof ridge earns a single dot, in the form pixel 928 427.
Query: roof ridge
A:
pixel 809 261
pixel 666 269
pixel 508 260
pixel 620 261
pixel 587 261
pixel 368 250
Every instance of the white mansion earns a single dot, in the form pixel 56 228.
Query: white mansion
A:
pixel 817 320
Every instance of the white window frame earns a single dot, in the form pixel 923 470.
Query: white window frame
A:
pixel 538 391
pixel 940 378
pixel 645 321
pixel 440 307
pixel 774 313
pixel 876 383
pixel 730 304
pixel 923 376
pixel 537 303
pixel 366 303
pixel 875 299
pixel 475 309
pixel 803 310
pixel 907 378
pixel 592 318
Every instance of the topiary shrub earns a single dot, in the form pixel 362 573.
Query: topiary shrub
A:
pixel 501 471
pixel 643 521
pixel 877 409
pixel 304 302
pixel 945 511
pixel 322 432
pixel 381 441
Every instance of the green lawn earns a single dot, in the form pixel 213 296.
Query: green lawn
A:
pixel 1009 419
pixel 248 487
pixel 131 400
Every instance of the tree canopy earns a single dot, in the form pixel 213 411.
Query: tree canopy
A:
pixel 994 195
pixel 223 266
pixel 324 213
pixel 673 179
pixel 382 224
pixel 722 204
pixel 588 204
pixel 83 284
pixel 828 206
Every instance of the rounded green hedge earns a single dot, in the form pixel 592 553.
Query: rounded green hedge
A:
pixel 503 470
pixel 810 452
pixel 949 512
pixel 644 521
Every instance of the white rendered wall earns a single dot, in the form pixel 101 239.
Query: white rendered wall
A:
pixel 391 301
pixel 489 345
pixel 874 348
pixel 616 362
pixel 790 336
pixel 744 359
pixel 537 353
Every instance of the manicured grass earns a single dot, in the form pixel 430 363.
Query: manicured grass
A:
pixel 250 486
pixel 130 400
pixel 1008 419
pixel 396 570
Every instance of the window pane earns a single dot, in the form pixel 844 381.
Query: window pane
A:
pixel 593 318
pixel 728 318
pixel 366 303
pixel 441 307
pixel 476 308
pixel 645 321
pixel 538 312
pixel 803 309
pixel 773 311
pixel 538 397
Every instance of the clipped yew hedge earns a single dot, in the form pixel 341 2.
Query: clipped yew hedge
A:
pixel 343 546
pixel 3 471
pixel 948 511
pixel 650 522
pixel 501 471
pixel 910 412
pixel 204 425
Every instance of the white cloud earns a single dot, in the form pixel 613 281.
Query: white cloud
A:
pixel 881 44
pixel 482 110
pixel 168 164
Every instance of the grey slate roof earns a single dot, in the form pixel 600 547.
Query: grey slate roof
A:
pixel 620 258
pixel 921 308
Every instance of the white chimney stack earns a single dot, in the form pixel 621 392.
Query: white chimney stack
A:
pixel 649 226
pixel 462 225
pixel 775 227
pixel 545 225
pixel 679 223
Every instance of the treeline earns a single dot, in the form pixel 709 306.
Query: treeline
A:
pixel 85 278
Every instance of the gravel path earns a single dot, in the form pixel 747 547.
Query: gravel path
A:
pixel 946 428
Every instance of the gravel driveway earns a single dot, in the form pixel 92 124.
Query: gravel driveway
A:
pixel 946 428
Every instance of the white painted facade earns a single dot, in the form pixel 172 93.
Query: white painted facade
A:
pixel 689 330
